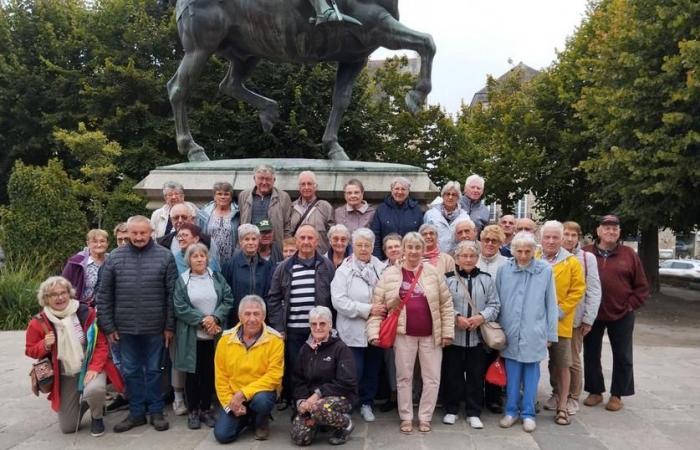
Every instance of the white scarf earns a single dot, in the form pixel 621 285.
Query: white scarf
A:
pixel 70 351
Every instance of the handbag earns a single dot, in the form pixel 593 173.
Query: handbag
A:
pixel 496 373
pixel 41 375
pixel 388 327
pixel 491 332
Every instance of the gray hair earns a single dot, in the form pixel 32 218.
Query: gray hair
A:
pixel 465 246
pixel 427 226
pixel 195 248
pixel 354 182
pixel 252 299
pixel 552 225
pixel 338 228
pixel 523 238
pixel 405 182
pixel 390 237
pixel 49 283
pixel 462 220
pixel 323 312
pixel 189 207
pixel 310 174
pixel 246 229
pixel 477 178
pixel 412 237
pixel 173 186
pixel 363 233
pixel 264 168
pixel 138 219
pixel 224 186
pixel 307 225
pixel 452 185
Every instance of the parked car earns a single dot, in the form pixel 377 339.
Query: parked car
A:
pixel 687 268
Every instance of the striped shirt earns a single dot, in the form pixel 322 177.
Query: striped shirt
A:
pixel 302 295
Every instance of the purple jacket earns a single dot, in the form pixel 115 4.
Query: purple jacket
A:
pixel 74 271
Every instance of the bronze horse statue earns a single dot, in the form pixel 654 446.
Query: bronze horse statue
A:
pixel 245 31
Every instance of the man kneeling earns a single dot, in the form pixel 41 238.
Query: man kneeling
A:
pixel 249 364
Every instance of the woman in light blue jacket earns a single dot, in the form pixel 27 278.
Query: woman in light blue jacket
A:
pixel 529 317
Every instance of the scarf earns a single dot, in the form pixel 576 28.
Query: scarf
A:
pixel 70 350
pixel 450 216
pixel 365 270
pixel 432 255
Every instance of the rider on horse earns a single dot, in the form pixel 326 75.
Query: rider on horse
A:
pixel 329 13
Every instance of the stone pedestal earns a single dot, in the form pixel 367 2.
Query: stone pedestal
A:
pixel 199 177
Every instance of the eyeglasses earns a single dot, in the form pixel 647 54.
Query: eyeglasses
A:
pixel 450 194
pixel 180 217
pixel 122 239
pixel 174 194
pixel 490 241
pixel 54 295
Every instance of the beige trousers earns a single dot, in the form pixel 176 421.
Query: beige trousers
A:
pixel 430 356
pixel 72 409
pixel 576 368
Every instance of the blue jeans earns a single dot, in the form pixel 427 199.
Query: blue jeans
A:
pixel 368 361
pixel 526 376
pixel 141 356
pixel 228 426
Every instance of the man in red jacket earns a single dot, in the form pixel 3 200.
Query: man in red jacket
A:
pixel 625 289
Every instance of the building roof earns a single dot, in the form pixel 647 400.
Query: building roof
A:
pixel 521 70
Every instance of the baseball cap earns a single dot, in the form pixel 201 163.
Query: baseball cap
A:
pixel 609 219
pixel 264 225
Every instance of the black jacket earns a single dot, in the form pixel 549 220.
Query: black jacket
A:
pixel 167 240
pixel 393 218
pixel 330 368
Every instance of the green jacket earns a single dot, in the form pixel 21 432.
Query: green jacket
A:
pixel 189 319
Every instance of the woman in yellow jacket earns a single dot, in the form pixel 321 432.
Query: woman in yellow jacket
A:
pixel 425 326
pixel 571 286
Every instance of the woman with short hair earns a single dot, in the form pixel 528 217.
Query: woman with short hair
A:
pixel 82 268
pixel 219 219
pixel 339 238
pixel 432 255
pixel 444 215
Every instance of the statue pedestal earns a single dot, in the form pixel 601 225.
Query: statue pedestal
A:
pixel 199 177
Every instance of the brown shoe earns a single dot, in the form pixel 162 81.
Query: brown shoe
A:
pixel 614 404
pixel 593 400
pixel 262 433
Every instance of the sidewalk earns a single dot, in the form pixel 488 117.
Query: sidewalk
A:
pixel 664 414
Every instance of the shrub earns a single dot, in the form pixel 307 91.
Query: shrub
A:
pixel 19 282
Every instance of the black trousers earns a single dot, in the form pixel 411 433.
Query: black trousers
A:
pixel 199 386
pixel 292 346
pixel 620 334
pixel 458 362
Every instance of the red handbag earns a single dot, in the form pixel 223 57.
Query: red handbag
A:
pixel 388 327
pixel 496 373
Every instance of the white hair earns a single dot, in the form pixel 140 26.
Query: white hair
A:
pixel 462 220
pixel 338 228
pixel 309 174
pixel 323 312
pixel 552 225
pixel 474 178
pixel 252 299
pixel 523 238
pixel 403 181
pixel 452 185
pixel 173 186
pixel 363 233
pixel 189 207
pixel 264 168
pixel 246 229
pixel 465 246
pixel 138 219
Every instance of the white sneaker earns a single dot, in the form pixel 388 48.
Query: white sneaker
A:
pixel 449 419
pixel 367 413
pixel 507 421
pixel 572 406
pixel 552 403
pixel 179 408
pixel 529 424
pixel 475 422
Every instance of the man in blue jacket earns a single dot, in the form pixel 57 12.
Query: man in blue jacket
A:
pixel 398 213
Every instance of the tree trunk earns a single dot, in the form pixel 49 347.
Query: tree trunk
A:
pixel 649 254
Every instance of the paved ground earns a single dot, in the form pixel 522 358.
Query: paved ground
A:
pixel 663 415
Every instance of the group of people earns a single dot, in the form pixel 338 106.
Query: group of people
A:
pixel 266 302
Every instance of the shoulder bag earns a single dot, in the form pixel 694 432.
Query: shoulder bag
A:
pixel 41 375
pixel 388 327
pixel 491 332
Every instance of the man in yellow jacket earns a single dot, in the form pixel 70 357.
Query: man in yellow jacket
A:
pixel 248 367
pixel 571 286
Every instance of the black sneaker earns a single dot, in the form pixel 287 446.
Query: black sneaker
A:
pixel 129 423
pixel 97 427
pixel 388 406
pixel 193 422
pixel 495 407
pixel 118 404
pixel 208 418
pixel 159 422
pixel 339 437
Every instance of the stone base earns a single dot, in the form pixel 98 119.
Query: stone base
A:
pixel 199 177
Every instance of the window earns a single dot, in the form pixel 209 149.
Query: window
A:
pixel 521 208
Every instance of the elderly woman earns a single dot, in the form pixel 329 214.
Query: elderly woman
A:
pixel 351 294
pixel 467 353
pixel 491 259
pixel 529 317
pixel 65 331
pixel 432 254
pixel 202 302
pixel 398 213
pixel 391 245
pixel 246 272
pixel 173 193
pixel 219 219
pixel 82 268
pixel 121 234
pixel 465 230
pixel 339 237
pixel 445 214
pixel 188 235
pixel 324 383
pixel 309 209
pixel 425 326
pixel 356 212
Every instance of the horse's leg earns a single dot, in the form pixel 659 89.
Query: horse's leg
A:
pixel 232 85
pixel 342 92
pixel 398 36
pixel 179 88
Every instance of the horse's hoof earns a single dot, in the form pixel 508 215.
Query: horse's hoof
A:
pixel 197 155
pixel 414 101
pixel 338 154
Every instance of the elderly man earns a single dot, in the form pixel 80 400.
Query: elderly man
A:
pixel 586 311
pixel 135 308
pixel 265 201
pixel 180 214
pixel 465 230
pixel 356 212
pixel 269 250
pixel 624 289
pixel 570 287
pixel 308 209
pixel 248 368
pixel 525 224
pixel 471 201
pixel 173 193
pixel 398 213
pixel 507 224
pixel 299 283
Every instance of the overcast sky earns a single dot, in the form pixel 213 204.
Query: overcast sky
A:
pixel 477 37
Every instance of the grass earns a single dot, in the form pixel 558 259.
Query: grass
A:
pixel 19 281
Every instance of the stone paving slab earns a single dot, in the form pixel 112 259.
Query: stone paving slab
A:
pixel 663 415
